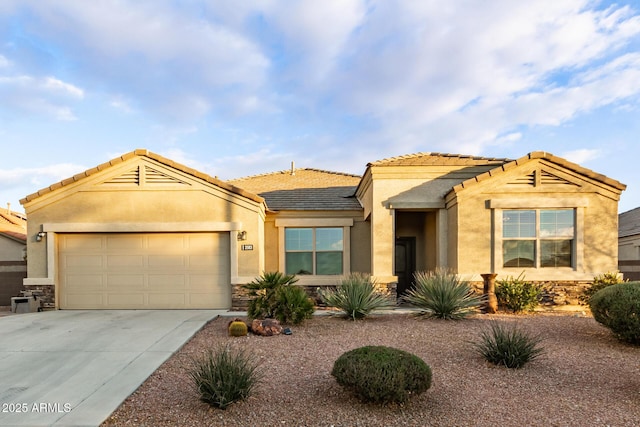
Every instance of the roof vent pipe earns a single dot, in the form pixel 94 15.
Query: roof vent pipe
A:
pixel 293 168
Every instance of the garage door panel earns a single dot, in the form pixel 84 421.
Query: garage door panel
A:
pixel 144 270
pixel 164 281
pixel 128 300
pixel 167 300
pixel 125 261
pixel 83 260
pixel 85 300
pixel 126 242
pixel 85 281
pixel 166 261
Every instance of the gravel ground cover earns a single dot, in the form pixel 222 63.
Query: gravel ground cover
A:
pixel 585 378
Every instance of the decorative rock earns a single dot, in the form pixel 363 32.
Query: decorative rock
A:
pixel 266 327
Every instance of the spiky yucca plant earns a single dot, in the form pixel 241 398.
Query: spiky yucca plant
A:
pixel 356 296
pixel 508 345
pixel 442 294
pixel 223 376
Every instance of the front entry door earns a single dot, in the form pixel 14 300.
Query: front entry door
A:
pixel 405 262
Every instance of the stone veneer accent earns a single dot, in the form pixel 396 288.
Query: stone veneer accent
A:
pixel 48 296
pixel 555 293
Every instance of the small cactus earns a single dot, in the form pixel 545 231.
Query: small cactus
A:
pixel 237 328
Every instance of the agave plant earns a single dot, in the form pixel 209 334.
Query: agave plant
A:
pixel 442 294
pixel 356 296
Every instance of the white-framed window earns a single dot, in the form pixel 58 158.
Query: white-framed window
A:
pixel 314 250
pixel 538 238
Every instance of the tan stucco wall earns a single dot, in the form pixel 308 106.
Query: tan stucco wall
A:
pixel 596 223
pixel 10 250
pixel 91 205
pixel 392 188
pixel 359 245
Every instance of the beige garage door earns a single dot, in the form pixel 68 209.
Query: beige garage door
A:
pixel 147 270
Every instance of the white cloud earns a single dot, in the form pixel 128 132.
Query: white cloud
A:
pixel 40 95
pixel 38 177
pixel 582 155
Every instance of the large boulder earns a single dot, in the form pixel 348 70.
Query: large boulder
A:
pixel 266 327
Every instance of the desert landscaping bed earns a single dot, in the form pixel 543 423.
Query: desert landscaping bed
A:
pixel 585 378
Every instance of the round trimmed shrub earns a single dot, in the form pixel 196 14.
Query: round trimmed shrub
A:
pixel 382 374
pixel 618 308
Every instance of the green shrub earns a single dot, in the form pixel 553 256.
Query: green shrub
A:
pixel 508 345
pixel 293 305
pixel 355 295
pixel 442 294
pixel 264 291
pixel 517 295
pixel 223 376
pixel 618 308
pixel 600 282
pixel 382 374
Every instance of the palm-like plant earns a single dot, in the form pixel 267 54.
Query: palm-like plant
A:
pixel 356 296
pixel 442 294
pixel 264 289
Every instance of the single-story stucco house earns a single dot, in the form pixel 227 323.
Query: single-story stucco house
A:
pixel 629 244
pixel 142 231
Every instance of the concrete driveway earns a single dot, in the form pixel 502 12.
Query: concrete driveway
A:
pixel 74 368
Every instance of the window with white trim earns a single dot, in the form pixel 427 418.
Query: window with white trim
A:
pixel 314 250
pixel 538 238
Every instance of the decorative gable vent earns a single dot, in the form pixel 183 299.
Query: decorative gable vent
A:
pixel 132 178
pixel 540 177
pixel 152 176
pixel 144 175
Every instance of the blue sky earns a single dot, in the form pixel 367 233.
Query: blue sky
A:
pixel 240 88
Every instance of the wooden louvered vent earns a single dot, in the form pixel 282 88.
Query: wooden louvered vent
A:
pixel 540 177
pixel 131 177
pixel 152 176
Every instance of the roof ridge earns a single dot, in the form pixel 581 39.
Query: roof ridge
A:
pixel 433 154
pixel 288 172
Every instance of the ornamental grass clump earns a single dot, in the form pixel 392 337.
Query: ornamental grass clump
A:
pixel 508 345
pixel 356 296
pixel 223 376
pixel 442 294
pixel 517 294
pixel 381 374
pixel 618 308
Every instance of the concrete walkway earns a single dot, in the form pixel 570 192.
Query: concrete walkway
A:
pixel 74 368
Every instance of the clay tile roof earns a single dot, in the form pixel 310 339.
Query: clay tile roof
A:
pixel 305 189
pixel 541 155
pixel 13 225
pixel 145 153
pixel 430 159
pixel 629 223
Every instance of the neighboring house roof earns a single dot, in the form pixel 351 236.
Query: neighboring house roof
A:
pixel 150 155
pixel 304 189
pixel 629 223
pixel 13 225
pixel 430 159
pixel 540 155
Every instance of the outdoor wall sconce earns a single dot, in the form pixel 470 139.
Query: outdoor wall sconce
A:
pixel 40 235
pixel 242 235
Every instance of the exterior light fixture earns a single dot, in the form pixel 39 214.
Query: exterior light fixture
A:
pixel 40 235
pixel 242 235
